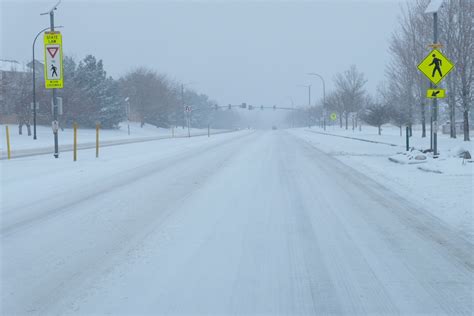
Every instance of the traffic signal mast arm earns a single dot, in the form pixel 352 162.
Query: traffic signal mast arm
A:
pixel 251 107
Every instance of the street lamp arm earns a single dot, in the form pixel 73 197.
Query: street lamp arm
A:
pixel 43 30
pixel 322 79
pixel 324 96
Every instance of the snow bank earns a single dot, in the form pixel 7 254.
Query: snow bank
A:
pixel 442 186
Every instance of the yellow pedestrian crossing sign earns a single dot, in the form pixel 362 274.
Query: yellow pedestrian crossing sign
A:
pixel 333 116
pixel 435 66
pixel 435 93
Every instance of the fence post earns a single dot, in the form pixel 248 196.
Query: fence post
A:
pixel 408 139
pixel 75 141
pixel 8 142
pixel 97 127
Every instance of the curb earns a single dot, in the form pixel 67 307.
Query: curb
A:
pixel 355 138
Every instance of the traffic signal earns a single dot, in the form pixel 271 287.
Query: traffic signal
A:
pixel 274 107
pixel 261 107
pixel 230 106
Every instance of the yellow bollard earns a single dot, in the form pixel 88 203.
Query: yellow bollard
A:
pixel 75 140
pixel 97 126
pixel 8 142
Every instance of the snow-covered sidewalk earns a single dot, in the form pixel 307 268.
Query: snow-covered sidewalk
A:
pixel 24 145
pixel 443 186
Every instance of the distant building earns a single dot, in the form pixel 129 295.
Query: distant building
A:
pixel 9 71
pixel 39 68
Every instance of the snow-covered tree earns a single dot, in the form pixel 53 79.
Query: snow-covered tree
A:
pixel 376 114
pixel 98 95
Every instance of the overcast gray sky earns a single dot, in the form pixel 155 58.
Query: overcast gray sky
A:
pixel 234 51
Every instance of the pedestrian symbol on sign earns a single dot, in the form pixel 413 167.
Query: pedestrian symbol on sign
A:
pixel 53 71
pixel 437 65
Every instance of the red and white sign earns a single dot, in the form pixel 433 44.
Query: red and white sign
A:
pixel 52 51
pixel 53 61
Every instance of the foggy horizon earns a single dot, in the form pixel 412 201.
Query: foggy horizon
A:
pixel 241 51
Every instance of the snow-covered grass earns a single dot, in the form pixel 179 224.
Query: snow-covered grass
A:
pixel 391 134
pixel 86 135
pixel 442 186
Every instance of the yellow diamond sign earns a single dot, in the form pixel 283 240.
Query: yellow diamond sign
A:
pixel 435 66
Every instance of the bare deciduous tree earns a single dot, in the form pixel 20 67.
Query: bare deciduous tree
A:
pixel 350 87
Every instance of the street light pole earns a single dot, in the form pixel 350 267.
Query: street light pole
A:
pixel 324 96
pixel 34 79
pixel 55 101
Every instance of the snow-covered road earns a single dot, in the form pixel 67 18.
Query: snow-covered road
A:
pixel 241 223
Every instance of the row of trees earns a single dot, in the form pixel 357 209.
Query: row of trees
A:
pixel 90 96
pixel 401 98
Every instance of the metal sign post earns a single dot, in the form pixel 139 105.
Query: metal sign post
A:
pixel 187 111
pixel 435 67
pixel 53 70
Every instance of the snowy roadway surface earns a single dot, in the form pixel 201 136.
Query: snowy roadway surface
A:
pixel 240 223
